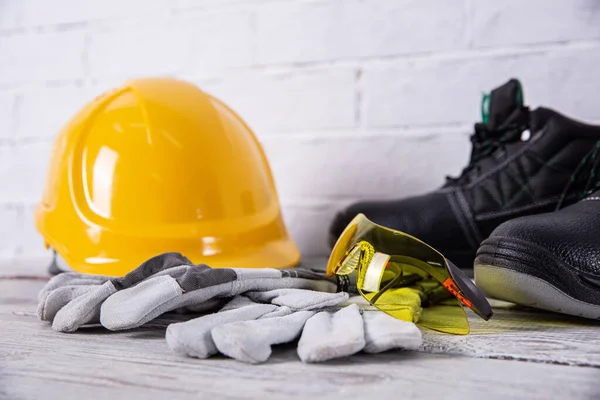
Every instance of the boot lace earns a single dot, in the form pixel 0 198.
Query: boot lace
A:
pixel 485 142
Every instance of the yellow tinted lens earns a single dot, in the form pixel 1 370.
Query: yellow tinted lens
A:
pixel 344 243
pixel 448 318
pixel 399 275
pixel 408 292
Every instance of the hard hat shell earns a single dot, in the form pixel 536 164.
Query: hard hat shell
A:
pixel 158 165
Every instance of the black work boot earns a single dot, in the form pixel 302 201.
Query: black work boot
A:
pixel 549 261
pixel 520 164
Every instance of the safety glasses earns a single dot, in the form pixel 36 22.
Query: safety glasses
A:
pixel 405 277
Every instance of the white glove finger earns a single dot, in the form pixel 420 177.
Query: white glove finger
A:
pixel 125 308
pixel 299 299
pixel 86 308
pixel 384 332
pixel 83 309
pixel 330 335
pixel 251 341
pixel 168 290
pixel 53 301
pixel 193 338
pixel 71 279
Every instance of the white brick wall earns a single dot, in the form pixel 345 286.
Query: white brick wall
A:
pixel 22 171
pixel 295 32
pixel 537 21
pixel 41 57
pixel 8 101
pixel 351 99
pixel 10 230
pixel 42 112
pixel 291 102
pixel 56 12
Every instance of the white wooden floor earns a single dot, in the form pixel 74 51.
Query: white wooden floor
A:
pixel 519 354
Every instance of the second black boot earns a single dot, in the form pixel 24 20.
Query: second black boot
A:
pixel 549 261
pixel 521 162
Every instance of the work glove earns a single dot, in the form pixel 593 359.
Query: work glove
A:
pixel 275 310
pixel 163 283
pixel 249 325
pixel 193 287
pixel 70 299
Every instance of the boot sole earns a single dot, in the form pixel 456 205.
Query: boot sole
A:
pixel 520 272
pixel 527 290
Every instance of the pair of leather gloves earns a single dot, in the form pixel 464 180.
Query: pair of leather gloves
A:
pixel 245 311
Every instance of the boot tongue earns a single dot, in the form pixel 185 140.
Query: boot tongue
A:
pixel 502 105
pixel 502 109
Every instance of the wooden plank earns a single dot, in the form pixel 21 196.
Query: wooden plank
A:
pixel 522 333
pixel 40 363
pixel 37 362
pixel 36 267
pixel 513 333
pixel 76 371
pixel 519 333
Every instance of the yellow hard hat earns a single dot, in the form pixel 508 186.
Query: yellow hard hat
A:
pixel 158 165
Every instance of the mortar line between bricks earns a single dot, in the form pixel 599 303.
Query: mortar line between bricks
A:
pixel 475 53
pixel 360 107
pixel 17 141
pixel 395 61
pixel 405 131
pixel 85 61
pixel 19 248
pixel 293 69
pixel 43 84
pixel 416 132
pixel 45 29
pixel 237 6
pixel 8 32
pixel 16 114
pixel 469 23
pixel 10 87
pixel 254 33
pixel 174 11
